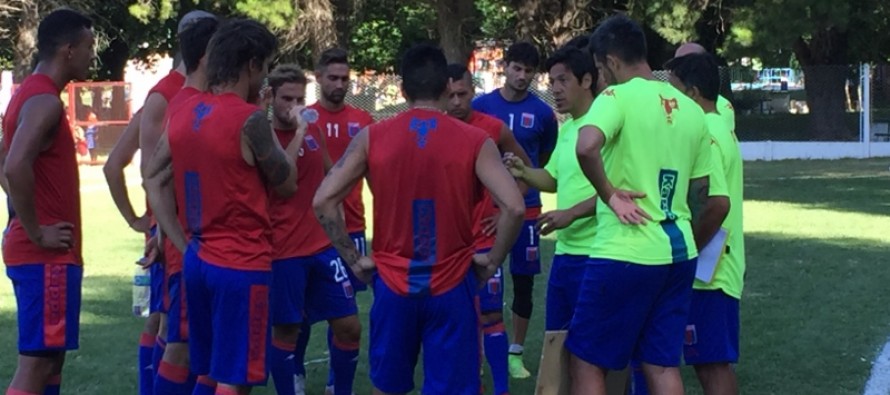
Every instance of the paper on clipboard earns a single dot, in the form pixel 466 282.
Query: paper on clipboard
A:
pixel 709 257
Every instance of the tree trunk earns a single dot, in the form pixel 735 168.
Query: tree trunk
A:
pixel 826 97
pixel 113 61
pixel 455 23
pixel 25 47
pixel 344 12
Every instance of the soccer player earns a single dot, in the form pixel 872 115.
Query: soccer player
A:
pixel 645 154
pixel 724 106
pixel 42 242
pixel 424 169
pixel 308 277
pixel 713 327
pixel 535 127
pixel 340 123
pixel 491 296
pixel 221 189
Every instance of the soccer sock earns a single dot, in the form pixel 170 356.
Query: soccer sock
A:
pixel 146 370
pixel 13 391
pixel 282 368
pixel 173 380
pixel 516 349
pixel 204 386
pixel 300 351
pixel 494 337
pixel 330 349
pixel 53 386
pixel 157 355
pixel 344 360
pixel 638 379
pixel 220 390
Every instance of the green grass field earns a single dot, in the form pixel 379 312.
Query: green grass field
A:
pixel 815 312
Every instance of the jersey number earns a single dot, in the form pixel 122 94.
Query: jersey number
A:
pixel 531 235
pixel 334 130
pixel 511 121
pixel 339 270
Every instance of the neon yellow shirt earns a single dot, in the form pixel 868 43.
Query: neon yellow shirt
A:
pixel 727 112
pixel 731 270
pixel 656 142
pixel 572 187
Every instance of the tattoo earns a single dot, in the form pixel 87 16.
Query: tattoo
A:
pixel 349 149
pixel 698 197
pixel 270 158
pixel 336 231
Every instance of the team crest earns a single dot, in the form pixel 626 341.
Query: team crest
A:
pixel 531 254
pixel 311 143
pixel 528 120
pixel 353 128
pixel 494 285
pixel 669 106
pixel 691 337
pixel 348 291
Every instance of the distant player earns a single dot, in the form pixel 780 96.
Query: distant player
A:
pixel 713 327
pixel 534 125
pixel 427 172
pixel 491 296
pixel 340 123
pixel 309 280
pixel 649 138
pixel 219 157
pixel 42 242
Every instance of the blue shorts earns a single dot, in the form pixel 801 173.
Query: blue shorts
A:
pixel 446 326
pixel 157 302
pixel 562 290
pixel 712 332
pixel 177 310
pixel 228 321
pixel 525 258
pixel 491 296
pixel 48 302
pixel 316 287
pixel 362 244
pixel 628 310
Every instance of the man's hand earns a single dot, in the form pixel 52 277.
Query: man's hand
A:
pixel 490 224
pixel 622 203
pixel 59 236
pixel 364 269
pixel 152 252
pixel 296 116
pixel 515 165
pixel 141 224
pixel 553 220
pixel 484 267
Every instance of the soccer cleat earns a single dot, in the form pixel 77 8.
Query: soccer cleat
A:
pixel 300 384
pixel 329 390
pixel 517 367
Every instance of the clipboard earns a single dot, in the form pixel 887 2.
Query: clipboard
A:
pixel 709 257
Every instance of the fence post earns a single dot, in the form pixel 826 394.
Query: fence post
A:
pixel 865 114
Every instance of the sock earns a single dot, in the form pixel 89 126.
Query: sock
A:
pixel 53 386
pixel 282 368
pixel 516 349
pixel 344 360
pixel 205 386
pixel 146 370
pixel 13 391
pixel 225 391
pixel 330 347
pixel 300 351
pixel 173 380
pixel 494 337
pixel 637 379
pixel 157 355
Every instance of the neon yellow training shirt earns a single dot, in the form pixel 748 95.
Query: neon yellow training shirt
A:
pixel 572 187
pixel 656 142
pixel 727 112
pixel 731 270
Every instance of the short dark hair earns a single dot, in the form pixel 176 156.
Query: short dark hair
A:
pixel 193 41
pixel 581 42
pixel 524 53
pixel 234 45
pixel 62 26
pixel 698 70
pixel 575 60
pixel 286 73
pixel 424 72
pixel 457 71
pixel 332 56
pixel 619 36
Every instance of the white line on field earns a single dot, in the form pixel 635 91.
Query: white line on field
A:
pixel 879 381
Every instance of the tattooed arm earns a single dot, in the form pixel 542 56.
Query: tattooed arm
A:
pixel 277 165
pixel 336 186
pixel 708 212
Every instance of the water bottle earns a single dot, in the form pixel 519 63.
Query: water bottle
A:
pixel 141 290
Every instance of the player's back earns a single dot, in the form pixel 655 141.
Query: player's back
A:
pixel 421 169
pixel 221 198
pixel 486 207
pixel 656 142
pixel 56 181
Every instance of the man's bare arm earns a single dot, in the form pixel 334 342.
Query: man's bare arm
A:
pixel 341 179
pixel 119 158
pixel 161 196
pixel 277 165
pixel 506 196
pixel 151 127
pixel 3 183
pixel 708 212
pixel 508 143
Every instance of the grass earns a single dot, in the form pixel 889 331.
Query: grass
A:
pixel 814 314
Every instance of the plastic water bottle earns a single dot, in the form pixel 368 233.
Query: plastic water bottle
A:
pixel 141 290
